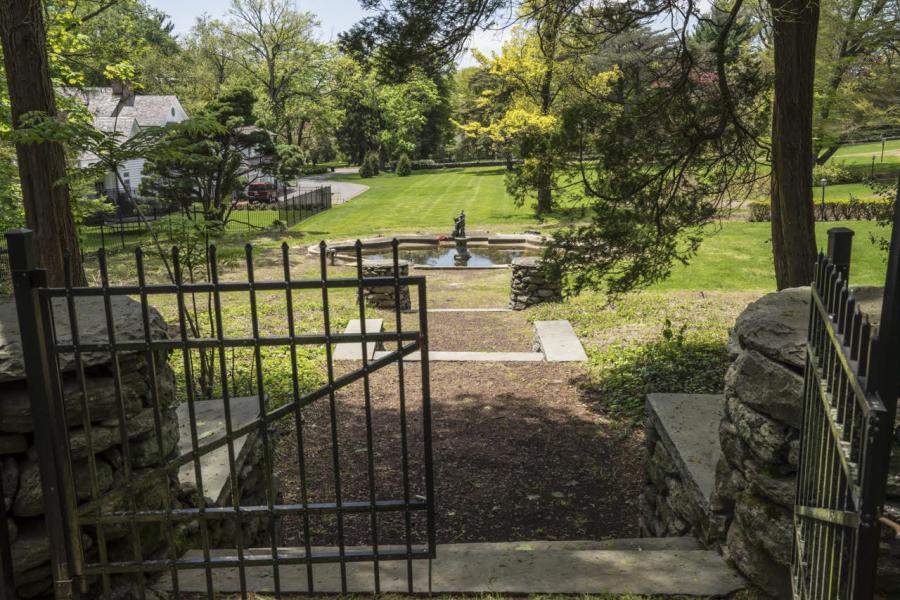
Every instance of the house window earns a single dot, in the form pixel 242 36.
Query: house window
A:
pixel 126 174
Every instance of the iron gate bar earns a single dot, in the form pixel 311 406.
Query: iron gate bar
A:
pixel 370 452
pixel 150 361
pixel 263 431
pixel 404 444
pixel 189 392
pixel 229 430
pixel 298 420
pixel 332 404
pixel 45 408
pixel 254 560
pixel 156 289
pixel 86 415
pixel 225 512
pixel 136 547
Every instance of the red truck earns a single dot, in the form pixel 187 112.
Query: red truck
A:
pixel 262 192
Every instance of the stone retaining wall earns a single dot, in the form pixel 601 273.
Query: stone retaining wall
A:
pixel 531 285
pixel 100 407
pixel 755 479
pixel 682 450
pixel 383 296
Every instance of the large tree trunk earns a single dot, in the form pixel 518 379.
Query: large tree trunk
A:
pixel 793 223
pixel 47 205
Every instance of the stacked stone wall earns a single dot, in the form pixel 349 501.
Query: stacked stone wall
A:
pixel 530 284
pixel 383 296
pixel 97 404
pixel 759 435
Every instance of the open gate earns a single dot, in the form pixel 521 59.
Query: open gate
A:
pixel 99 536
pixel 850 402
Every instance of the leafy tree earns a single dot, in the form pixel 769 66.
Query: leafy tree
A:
pixel 47 205
pixel 276 51
pixel 857 80
pixel 204 160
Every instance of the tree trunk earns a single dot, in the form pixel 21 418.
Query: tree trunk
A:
pixel 544 193
pixel 47 205
pixel 793 223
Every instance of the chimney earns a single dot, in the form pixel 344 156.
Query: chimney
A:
pixel 123 89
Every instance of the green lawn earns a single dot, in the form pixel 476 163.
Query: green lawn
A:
pixel 863 153
pixel 738 256
pixel 426 200
pixel 843 192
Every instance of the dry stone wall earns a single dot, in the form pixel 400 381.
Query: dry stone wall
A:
pixel 96 403
pixel 759 436
pixel 383 296
pixel 530 284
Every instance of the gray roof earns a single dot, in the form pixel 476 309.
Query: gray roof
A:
pixel 148 111
pixel 123 125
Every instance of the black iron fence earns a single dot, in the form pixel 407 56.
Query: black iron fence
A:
pixel 371 501
pixel 849 406
pixel 123 231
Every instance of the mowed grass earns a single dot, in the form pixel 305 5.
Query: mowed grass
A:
pixel 427 201
pixel 738 256
pixel 735 255
pixel 863 153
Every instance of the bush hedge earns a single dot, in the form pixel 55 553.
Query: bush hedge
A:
pixel 369 167
pixel 835 210
pixel 404 166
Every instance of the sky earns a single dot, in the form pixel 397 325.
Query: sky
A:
pixel 335 16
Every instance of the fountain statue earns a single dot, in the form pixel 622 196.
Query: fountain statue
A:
pixel 461 258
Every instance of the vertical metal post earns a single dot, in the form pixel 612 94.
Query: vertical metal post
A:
pixel 26 281
pixel 840 245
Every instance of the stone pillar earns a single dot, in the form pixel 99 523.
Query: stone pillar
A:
pixel 530 284
pixel 383 296
pixel 759 435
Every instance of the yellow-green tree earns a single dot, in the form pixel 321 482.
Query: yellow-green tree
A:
pixel 532 83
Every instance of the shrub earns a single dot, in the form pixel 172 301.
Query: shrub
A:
pixel 835 209
pixel 836 173
pixel 404 166
pixel 369 167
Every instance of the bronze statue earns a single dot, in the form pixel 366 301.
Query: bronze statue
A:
pixel 459 225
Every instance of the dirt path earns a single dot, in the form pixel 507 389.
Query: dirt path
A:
pixel 518 452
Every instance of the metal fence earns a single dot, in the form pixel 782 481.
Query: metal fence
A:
pixel 85 565
pixel 849 406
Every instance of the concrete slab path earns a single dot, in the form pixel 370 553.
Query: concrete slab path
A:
pixel 659 567
pixel 444 356
pixel 559 342
pixel 354 351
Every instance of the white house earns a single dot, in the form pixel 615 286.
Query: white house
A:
pixel 118 109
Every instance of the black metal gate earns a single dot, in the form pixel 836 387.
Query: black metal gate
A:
pixel 849 406
pixel 82 517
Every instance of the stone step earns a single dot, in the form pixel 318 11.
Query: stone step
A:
pixel 354 351
pixel 558 341
pixel 641 567
pixel 209 416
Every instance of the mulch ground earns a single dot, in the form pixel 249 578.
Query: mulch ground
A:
pixel 479 332
pixel 518 455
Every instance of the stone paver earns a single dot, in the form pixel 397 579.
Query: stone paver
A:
pixel 662 567
pixel 559 342
pixel 354 351
pixel 210 419
pixel 689 426
pixel 435 356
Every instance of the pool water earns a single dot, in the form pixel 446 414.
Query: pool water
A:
pixel 444 257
